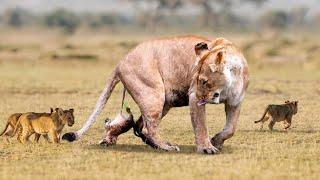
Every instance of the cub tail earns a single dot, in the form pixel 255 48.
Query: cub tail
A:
pixel 264 114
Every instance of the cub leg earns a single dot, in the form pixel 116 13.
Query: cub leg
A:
pixel 271 124
pixel 36 137
pixel 288 122
pixel 263 121
pixel 54 136
pixel 24 136
pixel 46 137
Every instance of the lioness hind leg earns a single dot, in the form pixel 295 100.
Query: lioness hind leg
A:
pixel 149 94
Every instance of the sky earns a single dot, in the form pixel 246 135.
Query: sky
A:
pixel 41 6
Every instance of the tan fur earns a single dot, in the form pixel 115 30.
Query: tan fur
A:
pixel 162 74
pixel 277 113
pixel 44 124
pixel 121 124
pixel 11 123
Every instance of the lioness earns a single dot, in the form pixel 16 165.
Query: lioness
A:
pixel 277 113
pixel 174 72
pixel 44 124
pixel 11 123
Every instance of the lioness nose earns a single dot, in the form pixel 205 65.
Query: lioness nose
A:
pixel 216 95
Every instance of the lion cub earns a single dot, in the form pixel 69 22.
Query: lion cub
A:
pixel 277 113
pixel 121 124
pixel 11 123
pixel 44 124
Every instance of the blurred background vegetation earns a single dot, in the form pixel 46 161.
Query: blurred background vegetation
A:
pixel 159 15
pixel 265 30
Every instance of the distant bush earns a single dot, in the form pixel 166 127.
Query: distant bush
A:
pixel 17 17
pixel 274 19
pixel 66 20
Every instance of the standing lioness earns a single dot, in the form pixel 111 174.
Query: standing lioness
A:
pixel 174 72
pixel 44 124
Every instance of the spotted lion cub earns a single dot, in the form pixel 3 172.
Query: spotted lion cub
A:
pixel 277 113
pixel 43 124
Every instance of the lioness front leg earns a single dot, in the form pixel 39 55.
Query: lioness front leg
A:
pixel 232 116
pixel 198 118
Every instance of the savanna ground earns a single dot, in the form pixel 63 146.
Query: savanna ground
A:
pixel 39 70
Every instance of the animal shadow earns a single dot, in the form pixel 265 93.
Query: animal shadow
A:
pixel 142 148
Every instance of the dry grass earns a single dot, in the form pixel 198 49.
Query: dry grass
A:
pixel 32 81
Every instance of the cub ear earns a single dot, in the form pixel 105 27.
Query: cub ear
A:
pixel 59 111
pixel 201 49
pixel 287 101
pixel 296 102
pixel 71 110
pixel 51 110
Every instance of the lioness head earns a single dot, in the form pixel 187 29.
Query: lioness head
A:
pixel 66 116
pixel 211 76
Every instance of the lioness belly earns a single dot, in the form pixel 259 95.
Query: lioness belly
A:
pixel 177 98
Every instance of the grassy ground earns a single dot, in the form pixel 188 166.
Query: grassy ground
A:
pixel 42 71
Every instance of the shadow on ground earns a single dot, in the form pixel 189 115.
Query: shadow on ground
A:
pixel 141 148
pixel 312 131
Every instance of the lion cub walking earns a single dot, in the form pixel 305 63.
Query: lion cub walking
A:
pixel 43 124
pixel 277 113
pixel 11 123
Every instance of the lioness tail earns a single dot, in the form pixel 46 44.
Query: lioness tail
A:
pixel 104 96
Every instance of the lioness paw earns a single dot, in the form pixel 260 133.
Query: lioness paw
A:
pixel 208 150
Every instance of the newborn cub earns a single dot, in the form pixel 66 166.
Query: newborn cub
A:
pixel 277 113
pixel 121 124
pixel 43 124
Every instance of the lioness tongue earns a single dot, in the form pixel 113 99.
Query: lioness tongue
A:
pixel 202 102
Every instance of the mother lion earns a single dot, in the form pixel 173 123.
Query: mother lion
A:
pixel 175 72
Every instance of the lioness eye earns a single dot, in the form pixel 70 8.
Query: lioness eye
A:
pixel 204 82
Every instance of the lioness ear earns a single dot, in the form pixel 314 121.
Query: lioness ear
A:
pixel 220 57
pixel 287 101
pixel 71 110
pixel 201 49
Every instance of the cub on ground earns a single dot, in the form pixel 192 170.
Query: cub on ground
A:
pixel 121 124
pixel 277 113
pixel 44 124
pixel 11 123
